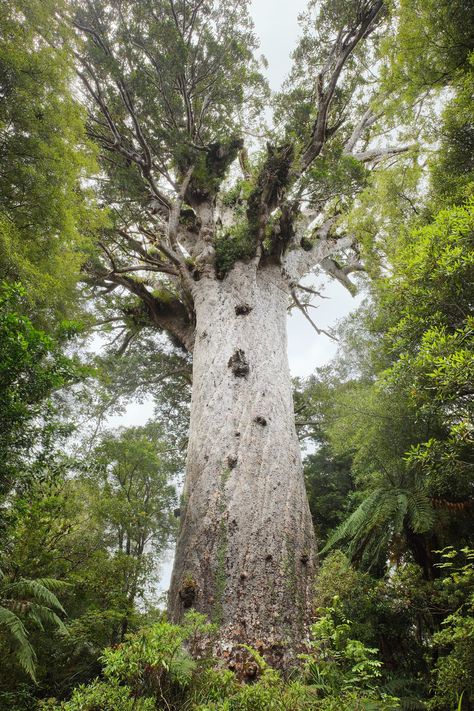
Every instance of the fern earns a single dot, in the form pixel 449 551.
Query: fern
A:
pixel 28 601
pixel 36 590
pixel 18 637
pixel 368 533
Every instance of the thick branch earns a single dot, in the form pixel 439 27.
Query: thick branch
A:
pixel 367 120
pixel 298 262
pixel 374 155
pixel 170 314
pixel 332 268
pixel 328 78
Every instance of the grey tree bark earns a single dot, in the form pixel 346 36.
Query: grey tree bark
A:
pixel 246 553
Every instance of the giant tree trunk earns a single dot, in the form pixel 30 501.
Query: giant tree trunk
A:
pixel 246 551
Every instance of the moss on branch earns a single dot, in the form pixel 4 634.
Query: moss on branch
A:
pixel 210 168
pixel 233 245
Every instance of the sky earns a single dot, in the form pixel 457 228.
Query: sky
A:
pixel 276 24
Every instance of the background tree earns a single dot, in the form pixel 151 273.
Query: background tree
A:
pixel 96 528
pixel 46 214
pixel 32 367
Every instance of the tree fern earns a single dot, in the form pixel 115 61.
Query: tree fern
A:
pixel 38 590
pixel 18 637
pixel 369 532
pixel 24 602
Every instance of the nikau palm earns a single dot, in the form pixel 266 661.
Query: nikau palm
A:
pixel 210 231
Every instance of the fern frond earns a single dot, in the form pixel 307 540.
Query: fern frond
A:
pixel 421 511
pixel 356 523
pixel 26 657
pixel 18 636
pixel 34 590
pixel 41 616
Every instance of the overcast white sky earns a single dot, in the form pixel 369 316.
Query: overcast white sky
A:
pixel 276 23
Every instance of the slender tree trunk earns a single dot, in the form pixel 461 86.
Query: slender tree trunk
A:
pixel 422 548
pixel 246 552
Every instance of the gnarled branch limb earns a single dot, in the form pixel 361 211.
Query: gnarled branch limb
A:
pixel 297 262
pixel 328 78
pixel 332 268
pixel 374 155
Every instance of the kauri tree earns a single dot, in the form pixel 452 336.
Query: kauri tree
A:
pixel 213 221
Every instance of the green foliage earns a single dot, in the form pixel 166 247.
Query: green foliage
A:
pixel 130 473
pixel 45 213
pixel 100 524
pixel 296 108
pixel 382 516
pixel 336 177
pixel 406 423
pixel 32 366
pixel 25 603
pixel 452 672
pixel 432 44
pixel 176 122
pixel 329 484
pixel 232 245
pixel 103 696
pixel 156 653
pixel 341 665
pixel 452 171
pixel 167 665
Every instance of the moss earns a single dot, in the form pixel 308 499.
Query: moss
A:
pixel 220 576
pixel 220 579
pixel 183 502
pixel 273 179
pixel 306 244
pixel 136 279
pixel 233 245
pixel 163 295
pixel 237 193
pixel 210 168
pixel 291 575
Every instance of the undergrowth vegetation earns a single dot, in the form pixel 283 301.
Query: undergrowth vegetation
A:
pixel 168 666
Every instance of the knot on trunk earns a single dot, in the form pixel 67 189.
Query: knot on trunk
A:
pixel 260 421
pixel 239 364
pixel 242 309
pixel 188 592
